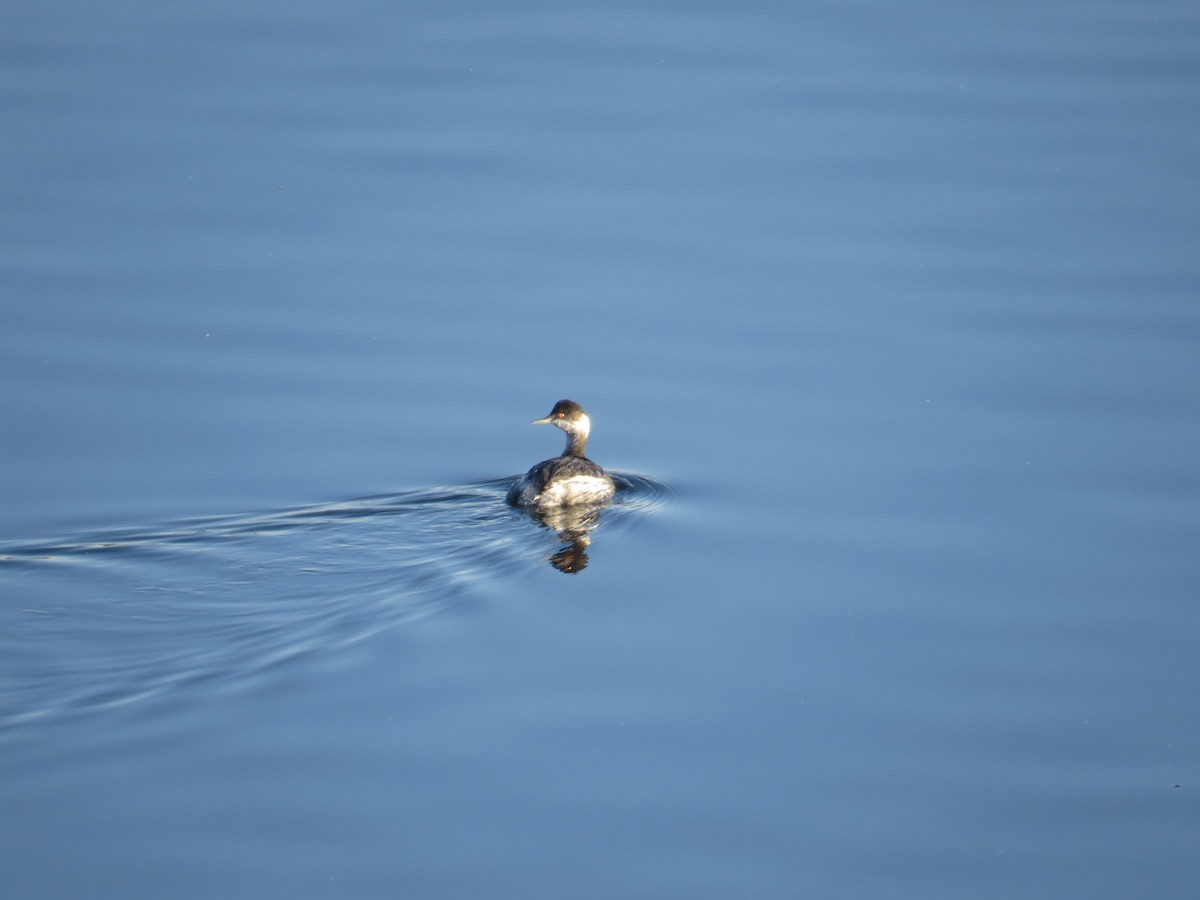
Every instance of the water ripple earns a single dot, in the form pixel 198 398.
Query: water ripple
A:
pixel 113 617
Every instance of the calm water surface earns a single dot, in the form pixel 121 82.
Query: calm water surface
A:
pixel 887 317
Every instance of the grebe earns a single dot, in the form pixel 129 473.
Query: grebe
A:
pixel 569 479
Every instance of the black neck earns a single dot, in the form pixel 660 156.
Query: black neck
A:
pixel 576 442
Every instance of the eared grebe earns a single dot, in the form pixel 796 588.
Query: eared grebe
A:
pixel 568 479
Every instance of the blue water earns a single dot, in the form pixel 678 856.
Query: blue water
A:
pixel 887 317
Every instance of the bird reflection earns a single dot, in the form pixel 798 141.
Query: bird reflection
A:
pixel 573 525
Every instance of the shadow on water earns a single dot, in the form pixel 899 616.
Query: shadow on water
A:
pixel 109 618
pixel 573 525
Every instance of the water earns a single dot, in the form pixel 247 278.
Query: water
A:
pixel 886 316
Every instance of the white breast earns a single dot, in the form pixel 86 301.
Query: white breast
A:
pixel 580 489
